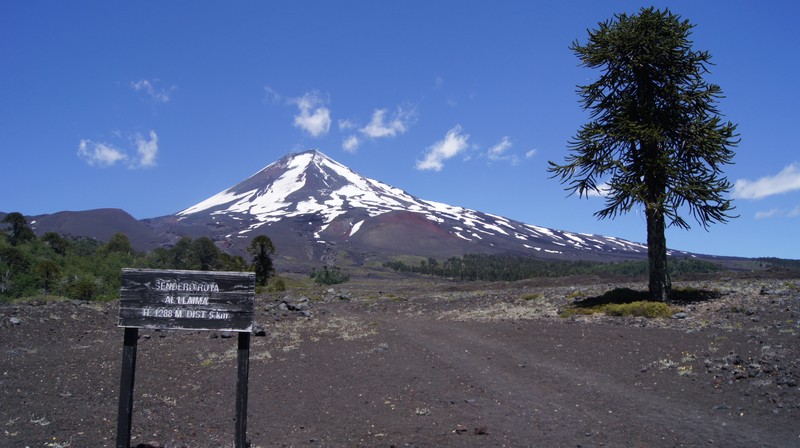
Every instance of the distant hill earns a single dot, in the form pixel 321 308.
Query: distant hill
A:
pixel 100 224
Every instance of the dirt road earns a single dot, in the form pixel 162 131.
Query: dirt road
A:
pixel 423 369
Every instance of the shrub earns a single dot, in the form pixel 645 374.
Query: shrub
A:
pixel 531 296
pixel 327 276
pixel 277 285
pixel 646 309
pixel 649 310
pixel 85 288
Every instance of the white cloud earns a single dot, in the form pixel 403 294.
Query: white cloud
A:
pixel 531 153
pixel 497 152
pixel 345 125
pixel 100 154
pixel 768 213
pixel 382 125
pixel 453 143
pixel 103 154
pixel 398 124
pixel 795 212
pixel 149 88
pixel 350 144
pixel 147 150
pixel 787 180
pixel 314 117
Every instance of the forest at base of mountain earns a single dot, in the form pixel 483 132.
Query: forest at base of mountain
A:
pixel 86 269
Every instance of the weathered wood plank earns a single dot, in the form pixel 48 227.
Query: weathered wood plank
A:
pixel 190 300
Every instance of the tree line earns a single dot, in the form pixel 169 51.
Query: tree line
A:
pixel 511 268
pixel 86 269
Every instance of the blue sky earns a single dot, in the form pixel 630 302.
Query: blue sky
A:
pixel 154 106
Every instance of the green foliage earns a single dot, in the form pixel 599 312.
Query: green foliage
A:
pixel 200 254
pixel 85 269
pixel 56 242
pixel 531 297
pixel 656 138
pixel 277 285
pixel 510 268
pixel 779 264
pixel 621 302
pixel 648 309
pixel 77 268
pixel 330 276
pixel 119 244
pixel 261 248
pixel 18 230
pixel 84 288
pixel 204 255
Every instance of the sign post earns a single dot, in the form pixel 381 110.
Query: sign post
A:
pixel 185 300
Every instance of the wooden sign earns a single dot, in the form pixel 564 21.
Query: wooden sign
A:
pixel 184 300
pixel 187 300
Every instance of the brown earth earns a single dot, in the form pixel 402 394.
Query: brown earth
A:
pixel 420 363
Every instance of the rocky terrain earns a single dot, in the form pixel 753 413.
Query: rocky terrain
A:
pixel 415 362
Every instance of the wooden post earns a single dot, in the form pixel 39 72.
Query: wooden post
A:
pixel 125 415
pixel 243 367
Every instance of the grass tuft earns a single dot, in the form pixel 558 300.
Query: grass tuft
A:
pixel 621 302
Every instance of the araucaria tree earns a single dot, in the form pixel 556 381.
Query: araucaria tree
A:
pixel 655 138
pixel 261 248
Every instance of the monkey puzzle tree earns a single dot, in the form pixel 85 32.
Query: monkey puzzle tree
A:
pixel 655 137
pixel 18 231
pixel 261 248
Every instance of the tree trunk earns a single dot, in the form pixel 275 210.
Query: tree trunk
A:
pixel 660 284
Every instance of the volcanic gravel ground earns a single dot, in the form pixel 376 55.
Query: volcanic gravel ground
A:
pixel 420 363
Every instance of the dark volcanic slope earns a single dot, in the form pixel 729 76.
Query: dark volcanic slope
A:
pixel 101 224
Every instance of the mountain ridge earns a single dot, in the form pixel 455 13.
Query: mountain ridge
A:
pixel 309 200
pixel 317 210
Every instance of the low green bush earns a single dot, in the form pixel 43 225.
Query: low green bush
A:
pixel 639 308
pixel 332 276
pixel 642 309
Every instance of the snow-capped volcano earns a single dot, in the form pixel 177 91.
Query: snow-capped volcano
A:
pixel 308 183
pixel 315 208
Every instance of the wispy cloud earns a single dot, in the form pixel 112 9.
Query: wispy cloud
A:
pixel 100 154
pixel 272 95
pixel 768 213
pixel 499 152
pixel 776 212
pixel 530 154
pixel 379 127
pixel 103 154
pixel 149 88
pixel 313 117
pixel 454 143
pixel 346 125
pixel 785 181
pixel 350 144
pixel 147 150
